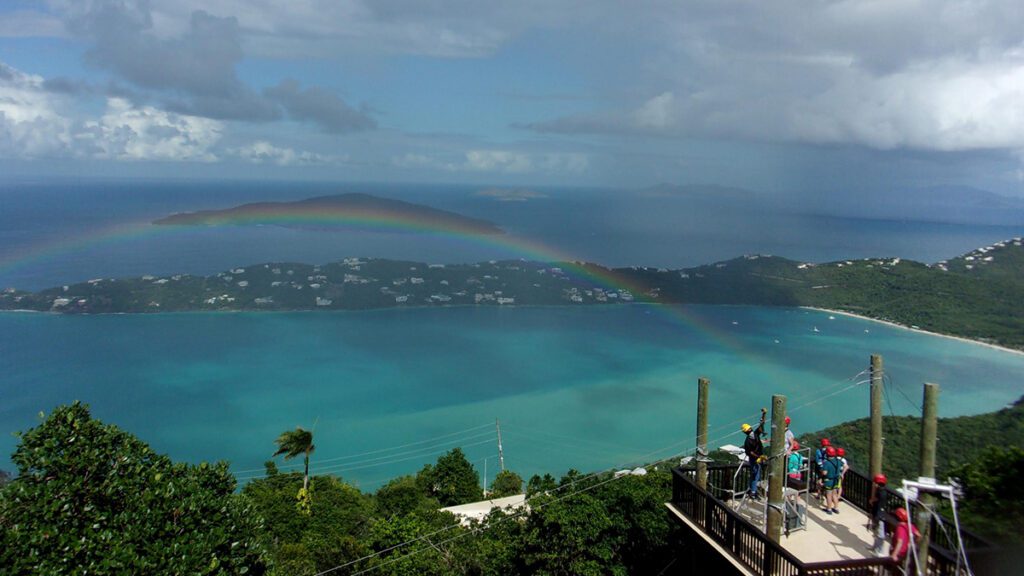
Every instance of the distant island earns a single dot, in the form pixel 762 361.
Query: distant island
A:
pixel 976 295
pixel 331 212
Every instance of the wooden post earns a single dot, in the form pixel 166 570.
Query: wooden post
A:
pixel 777 469
pixel 929 428
pixel 875 464
pixel 702 432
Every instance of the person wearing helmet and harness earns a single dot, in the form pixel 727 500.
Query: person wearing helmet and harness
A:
pixel 831 469
pixel 876 505
pixel 819 461
pixel 753 447
pixel 901 540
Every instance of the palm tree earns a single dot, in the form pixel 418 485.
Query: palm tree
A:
pixel 291 443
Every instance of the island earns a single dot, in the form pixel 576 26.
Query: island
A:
pixel 976 295
pixel 340 210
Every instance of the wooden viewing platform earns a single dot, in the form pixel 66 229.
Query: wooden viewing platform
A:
pixel 832 545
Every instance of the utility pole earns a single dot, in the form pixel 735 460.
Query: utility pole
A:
pixel 877 372
pixel 929 435
pixel 501 454
pixel 777 469
pixel 702 432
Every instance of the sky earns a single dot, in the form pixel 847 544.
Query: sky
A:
pixel 817 96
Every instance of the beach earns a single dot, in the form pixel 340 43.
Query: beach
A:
pixel 919 330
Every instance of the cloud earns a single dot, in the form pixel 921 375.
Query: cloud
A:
pixel 39 121
pixel 30 122
pixel 326 28
pixel 510 194
pixel 498 162
pixel 657 113
pixel 190 66
pixel 320 107
pixel 263 152
pixel 28 24
pixel 127 132
pixel 936 75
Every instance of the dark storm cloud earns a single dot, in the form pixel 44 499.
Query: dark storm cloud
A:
pixel 64 85
pixel 316 105
pixel 195 72
pixel 201 61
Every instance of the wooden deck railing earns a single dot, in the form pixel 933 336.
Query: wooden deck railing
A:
pixel 748 544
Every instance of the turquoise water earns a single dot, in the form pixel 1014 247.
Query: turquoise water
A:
pixel 390 390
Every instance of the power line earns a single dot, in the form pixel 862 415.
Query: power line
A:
pixel 386 460
pixel 427 441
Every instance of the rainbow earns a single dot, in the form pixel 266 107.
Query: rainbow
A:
pixel 397 221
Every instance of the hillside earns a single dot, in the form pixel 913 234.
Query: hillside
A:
pixel 960 439
pixel 325 212
pixel 975 295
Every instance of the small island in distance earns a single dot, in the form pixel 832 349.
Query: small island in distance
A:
pixel 976 295
pixel 331 212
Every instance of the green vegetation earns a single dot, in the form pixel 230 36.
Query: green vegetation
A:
pixel 92 499
pixel 985 453
pixel 291 443
pixel 993 502
pixel 975 295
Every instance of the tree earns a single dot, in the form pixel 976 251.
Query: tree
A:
pixel 401 496
pixel 334 532
pixel 506 483
pixel 993 501
pixel 540 485
pixel 452 481
pixel 91 498
pixel 570 537
pixel 291 443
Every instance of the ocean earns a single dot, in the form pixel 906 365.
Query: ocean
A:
pixel 388 391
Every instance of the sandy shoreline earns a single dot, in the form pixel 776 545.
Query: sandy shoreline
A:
pixel 905 327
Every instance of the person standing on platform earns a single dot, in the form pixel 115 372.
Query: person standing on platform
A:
pixel 876 507
pixel 790 438
pixel 819 462
pixel 841 455
pixel 901 541
pixel 753 447
pixel 794 466
pixel 830 473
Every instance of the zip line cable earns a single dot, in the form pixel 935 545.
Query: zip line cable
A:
pixel 383 462
pixel 596 445
pixel 427 441
pixel 455 441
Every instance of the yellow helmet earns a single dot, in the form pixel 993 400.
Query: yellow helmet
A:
pixel 745 428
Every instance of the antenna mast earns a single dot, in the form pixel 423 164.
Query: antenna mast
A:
pixel 501 454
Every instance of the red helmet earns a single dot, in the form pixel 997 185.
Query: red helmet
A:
pixel 825 442
pixel 787 420
pixel 830 451
pixel 900 514
pixel 840 452
pixel 880 479
pixel 795 445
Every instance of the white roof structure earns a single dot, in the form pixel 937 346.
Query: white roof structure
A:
pixel 479 510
